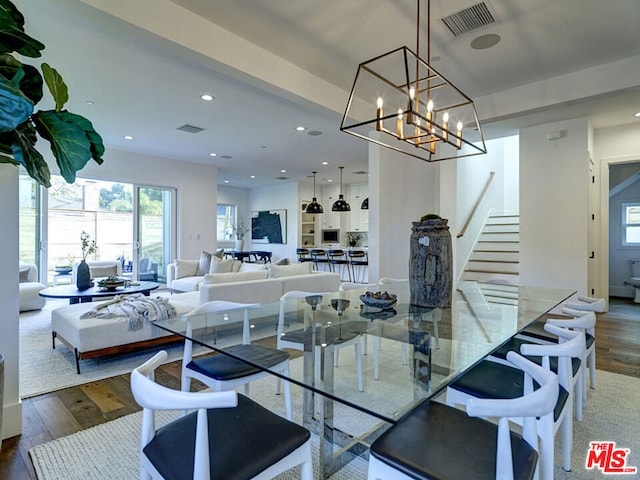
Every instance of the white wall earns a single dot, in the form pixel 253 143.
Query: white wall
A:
pixel 554 207
pixel 196 186
pixel 401 190
pixel 278 197
pixel 12 408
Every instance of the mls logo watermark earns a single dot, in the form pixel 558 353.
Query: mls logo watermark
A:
pixel 608 458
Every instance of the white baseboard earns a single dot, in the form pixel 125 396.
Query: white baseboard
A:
pixel 621 291
pixel 12 420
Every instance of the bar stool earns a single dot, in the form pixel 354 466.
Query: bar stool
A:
pixel 319 257
pixel 303 255
pixel 338 257
pixel 358 258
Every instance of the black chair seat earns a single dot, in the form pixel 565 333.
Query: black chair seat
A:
pixel 245 441
pixel 333 335
pixel 514 345
pixel 536 330
pixel 495 380
pixel 435 441
pixel 222 367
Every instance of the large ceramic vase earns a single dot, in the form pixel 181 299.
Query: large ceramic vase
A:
pixel 1 394
pixel 430 263
pixel 83 276
pixel 239 245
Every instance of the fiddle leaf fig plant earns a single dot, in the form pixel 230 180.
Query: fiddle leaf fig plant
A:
pixel 72 137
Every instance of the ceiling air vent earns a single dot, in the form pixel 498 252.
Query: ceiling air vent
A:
pixel 282 178
pixel 360 172
pixel 469 19
pixel 190 128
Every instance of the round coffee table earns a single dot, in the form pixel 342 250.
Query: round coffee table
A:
pixel 81 296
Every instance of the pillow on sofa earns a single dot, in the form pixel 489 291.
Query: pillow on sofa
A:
pixel 204 263
pixel 219 253
pixel 186 268
pixel 279 271
pixel 283 261
pixel 231 277
pixel 220 266
pixel 252 267
pixel 24 274
pixel 103 271
pixel 236 266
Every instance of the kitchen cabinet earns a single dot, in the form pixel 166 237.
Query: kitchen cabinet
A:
pixel 308 227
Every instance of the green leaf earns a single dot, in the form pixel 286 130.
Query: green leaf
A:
pixel 12 35
pixel 7 159
pixel 68 139
pixel 24 151
pixel 15 108
pixel 30 84
pixel 95 140
pixel 56 85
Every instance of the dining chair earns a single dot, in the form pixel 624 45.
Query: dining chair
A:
pixel 490 379
pixel 437 441
pixel 303 255
pixel 223 372
pixel 296 339
pixel 582 320
pixel 227 436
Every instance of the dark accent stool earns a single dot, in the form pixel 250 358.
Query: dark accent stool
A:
pixel 435 441
pixel 243 441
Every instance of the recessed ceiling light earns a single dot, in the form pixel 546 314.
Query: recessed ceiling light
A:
pixel 325 163
pixel 213 154
pixel 330 180
pixel 206 97
pixel 636 114
pixel 90 102
pixel 128 137
pixel 283 171
pixel 300 129
pixel 226 181
pixel 252 176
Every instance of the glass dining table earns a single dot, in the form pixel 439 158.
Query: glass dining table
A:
pixel 408 352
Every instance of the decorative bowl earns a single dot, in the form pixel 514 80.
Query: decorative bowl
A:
pixel 110 284
pixel 63 269
pixel 381 303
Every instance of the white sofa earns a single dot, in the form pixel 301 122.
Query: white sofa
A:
pixel 29 288
pixel 95 337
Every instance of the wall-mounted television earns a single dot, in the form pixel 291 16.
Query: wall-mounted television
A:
pixel 331 235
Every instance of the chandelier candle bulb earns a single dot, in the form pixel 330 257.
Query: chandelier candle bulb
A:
pixel 445 122
pixel 379 114
pixel 459 140
pixel 399 123
pixel 429 114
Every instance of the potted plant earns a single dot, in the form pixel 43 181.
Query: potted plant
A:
pixel 72 137
pixel 83 275
pixel 353 239
pixel 240 229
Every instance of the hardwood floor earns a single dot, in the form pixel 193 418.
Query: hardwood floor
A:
pixel 70 410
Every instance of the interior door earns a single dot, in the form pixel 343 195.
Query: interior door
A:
pixel 154 232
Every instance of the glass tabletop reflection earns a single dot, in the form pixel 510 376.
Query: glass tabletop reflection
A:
pixel 408 352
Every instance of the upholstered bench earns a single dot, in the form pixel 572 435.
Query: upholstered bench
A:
pixel 94 337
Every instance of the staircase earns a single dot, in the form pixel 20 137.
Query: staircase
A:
pixel 495 256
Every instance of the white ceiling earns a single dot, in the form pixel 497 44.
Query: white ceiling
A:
pixel 145 86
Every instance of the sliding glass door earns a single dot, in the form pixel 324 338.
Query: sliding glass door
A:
pixel 154 232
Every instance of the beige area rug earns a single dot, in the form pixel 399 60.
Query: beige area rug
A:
pixel 43 369
pixel 109 451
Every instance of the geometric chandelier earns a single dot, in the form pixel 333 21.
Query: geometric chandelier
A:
pixel 401 102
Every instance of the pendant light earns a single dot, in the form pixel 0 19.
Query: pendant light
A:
pixel 341 204
pixel 365 204
pixel 314 206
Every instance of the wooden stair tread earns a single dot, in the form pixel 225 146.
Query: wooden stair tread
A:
pixel 475 270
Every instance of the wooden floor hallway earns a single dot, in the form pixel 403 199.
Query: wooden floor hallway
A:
pixel 70 410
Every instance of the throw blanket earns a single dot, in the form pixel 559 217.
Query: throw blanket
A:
pixel 137 307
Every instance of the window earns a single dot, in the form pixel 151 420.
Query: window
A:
pixel 226 216
pixel 631 224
